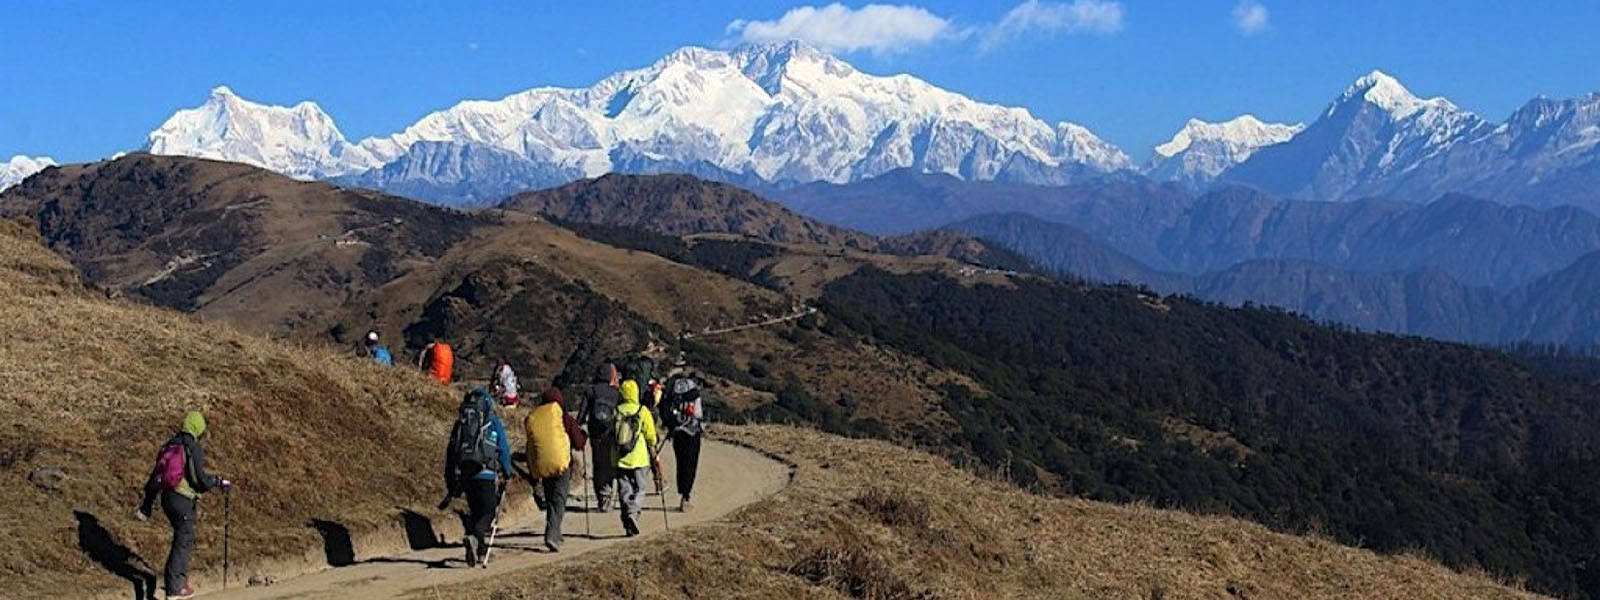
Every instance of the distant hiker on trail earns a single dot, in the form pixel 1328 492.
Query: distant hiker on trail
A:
pixel 635 444
pixel 597 410
pixel 553 437
pixel 179 478
pixel 377 352
pixel 684 415
pixel 477 458
pixel 505 383
pixel 438 360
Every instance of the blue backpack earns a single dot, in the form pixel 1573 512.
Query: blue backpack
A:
pixel 381 355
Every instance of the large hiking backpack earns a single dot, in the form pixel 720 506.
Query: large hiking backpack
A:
pixel 640 369
pixel 629 427
pixel 681 394
pixel 171 466
pixel 475 450
pixel 603 400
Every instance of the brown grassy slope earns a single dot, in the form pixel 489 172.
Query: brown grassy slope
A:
pixel 545 298
pixel 681 205
pixel 93 387
pixel 260 250
pixel 865 519
pixel 803 270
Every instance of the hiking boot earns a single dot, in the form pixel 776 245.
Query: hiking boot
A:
pixel 472 550
pixel 186 592
pixel 602 504
pixel 630 528
pixel 684 505
pixel 552 547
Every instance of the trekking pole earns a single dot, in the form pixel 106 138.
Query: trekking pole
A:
pixel 588 494
pixel 227 526
pixel 499 509
pixel 655 456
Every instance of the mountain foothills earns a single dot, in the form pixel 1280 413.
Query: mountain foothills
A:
pixel 1400 445
pixel 135 367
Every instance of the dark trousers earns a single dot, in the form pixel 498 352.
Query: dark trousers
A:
pixel 482 500
pixel 181 514
pixel 555 505
pixel 603 462
pixel 686 449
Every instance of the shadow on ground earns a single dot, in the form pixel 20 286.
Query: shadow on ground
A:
pixel 102 548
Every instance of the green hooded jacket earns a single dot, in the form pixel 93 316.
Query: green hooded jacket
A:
pixel 196 480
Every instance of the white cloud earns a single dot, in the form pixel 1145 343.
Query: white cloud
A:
pixel 1078 16
pixel 1250 17
pixel 885 28
pixel 880 28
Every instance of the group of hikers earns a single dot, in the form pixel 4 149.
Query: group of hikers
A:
pixel 622 418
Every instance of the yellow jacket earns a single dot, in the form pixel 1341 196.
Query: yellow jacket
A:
pixel 549 448
pixel 639 458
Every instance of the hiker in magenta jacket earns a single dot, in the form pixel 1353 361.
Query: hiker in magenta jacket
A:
pixel 178 502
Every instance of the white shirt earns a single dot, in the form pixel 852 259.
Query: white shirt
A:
pixel 508 380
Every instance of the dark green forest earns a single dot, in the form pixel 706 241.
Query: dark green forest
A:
pixel 1386 442
pixel 1476 457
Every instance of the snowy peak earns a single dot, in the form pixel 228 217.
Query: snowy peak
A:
pixel 21 167
pixel 301 142
pixel 1201 151
pixel 1383 91
pixel 1245 132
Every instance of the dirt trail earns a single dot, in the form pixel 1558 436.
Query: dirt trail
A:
pixel 767 323
pixel 730 477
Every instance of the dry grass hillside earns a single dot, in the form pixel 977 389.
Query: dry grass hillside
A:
pixel 90 388
pixel 865 519
pixel 262 251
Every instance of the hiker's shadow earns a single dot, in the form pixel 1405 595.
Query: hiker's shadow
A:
pixel 336 544
pixel 103 549
pixel 419 531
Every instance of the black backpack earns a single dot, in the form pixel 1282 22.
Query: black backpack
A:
pixel 475 450
pixel 640 369
pixel 602 400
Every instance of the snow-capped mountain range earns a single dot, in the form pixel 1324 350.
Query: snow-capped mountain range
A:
pixel 788 113
pixel 782 112
pixel 1201 151
pixel 13 171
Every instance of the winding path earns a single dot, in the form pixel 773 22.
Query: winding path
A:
pixel 769 322
pixel 730 477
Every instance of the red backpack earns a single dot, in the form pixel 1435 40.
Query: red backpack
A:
pixel 171 466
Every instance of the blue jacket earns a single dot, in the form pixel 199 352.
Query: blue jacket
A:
pixel 497 430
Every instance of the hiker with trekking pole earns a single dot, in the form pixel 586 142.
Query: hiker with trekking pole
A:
pixel 635 442
pixel 553 437
pixel 178 479
pixel 597 410
pixel 477 462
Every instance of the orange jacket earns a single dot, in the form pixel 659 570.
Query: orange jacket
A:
pixel 441 361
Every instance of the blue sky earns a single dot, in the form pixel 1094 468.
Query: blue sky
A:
pixel 82 80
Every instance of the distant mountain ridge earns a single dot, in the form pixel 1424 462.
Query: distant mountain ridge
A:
pixel 1422 300
pixel 1378 139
